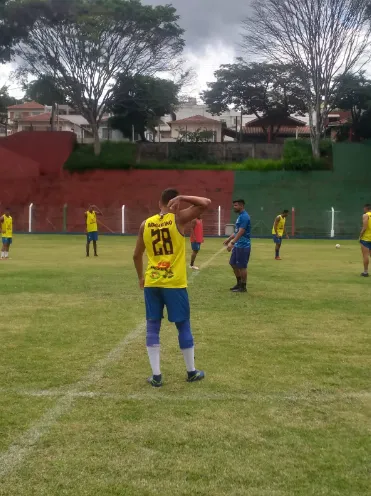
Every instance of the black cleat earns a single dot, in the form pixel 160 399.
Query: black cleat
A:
pixel 155 381
pixel 239 290
pixel 235 287
pixel 196 375
pixel 364 274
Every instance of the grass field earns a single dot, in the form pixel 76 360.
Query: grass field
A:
pixel 285 408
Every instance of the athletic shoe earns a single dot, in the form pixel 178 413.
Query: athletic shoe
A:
pixel 193 267
pixel 155 381
pixel 364 274
pixel 196 375
pixel 278 258
pixel 239 290
pixel 235 287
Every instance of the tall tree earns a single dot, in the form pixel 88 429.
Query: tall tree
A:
pixel 354 95
pixel 5 101
pixel 45 90
pixel 265 90
pixel 86 44
pixel 322 38
pixel 140 101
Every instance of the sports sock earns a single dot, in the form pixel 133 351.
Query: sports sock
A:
pixel 186 344
pixel 189 358
pixel 238 281
pixel 277 253
pixel 6 254
pixel 154 359
pixel 2 254
pixel 153 345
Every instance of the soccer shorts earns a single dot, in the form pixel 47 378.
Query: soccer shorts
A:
pixel 175 300
pixel 7 241
pixel 240 257
pixel 92 236
pixel 277 239
pixel 367 244
pixel 196 246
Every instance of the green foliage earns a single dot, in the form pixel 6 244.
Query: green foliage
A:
pixel 123 156
pixel 198 136
pixel 266 90
pixel 297 155
pixel 45 90
pixel 113 156
pixel 5 101
pixel 140 101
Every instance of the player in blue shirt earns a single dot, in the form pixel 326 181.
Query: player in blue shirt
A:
pixel 240 246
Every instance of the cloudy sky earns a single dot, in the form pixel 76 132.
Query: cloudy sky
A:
pixel 212 36
pixel 213 32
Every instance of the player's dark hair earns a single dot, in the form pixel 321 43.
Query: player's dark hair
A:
pixel 368 205
pixel 167 195
pixel 242 202
pixel 286 211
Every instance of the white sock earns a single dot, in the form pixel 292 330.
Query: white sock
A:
pixel 154 359
pixel 2 254
pixel 6 254
pixel 189 358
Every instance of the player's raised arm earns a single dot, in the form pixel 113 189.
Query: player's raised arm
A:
pixel 97 210
pixel 138 256
pixel 198 206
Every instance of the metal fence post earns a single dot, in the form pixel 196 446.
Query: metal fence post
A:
pixel 219 220
pixel 123 219
pixel 30 214
pixel 65 206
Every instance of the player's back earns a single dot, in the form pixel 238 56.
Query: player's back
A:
pixel 7 226
pixel 165 248
pixel 280 225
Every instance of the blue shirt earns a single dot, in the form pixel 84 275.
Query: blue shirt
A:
pixel 244 222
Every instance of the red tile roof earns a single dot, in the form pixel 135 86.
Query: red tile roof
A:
pixel 45 117
pixel 283 130
pixel 195 119
pixel 286 121
pixel 27 106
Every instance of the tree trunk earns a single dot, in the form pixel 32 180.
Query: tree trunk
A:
pixel 315 130
pixel 97 143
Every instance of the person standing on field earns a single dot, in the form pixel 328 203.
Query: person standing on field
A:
pixel 197 238
pixel 6 221
pixel 365 238
pixel 164 282
pixel 278 231
pixel 92 228
pixel 240 246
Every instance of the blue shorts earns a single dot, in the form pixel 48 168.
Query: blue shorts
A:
pixel 240 257
pixel 196 246
pixel 92 236
pixel 367 244
pixel 277 239
pixel 175 300
pixel 7 241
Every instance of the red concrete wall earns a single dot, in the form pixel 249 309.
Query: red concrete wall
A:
pixel 14 166
pixel 50 150
pixel 138 190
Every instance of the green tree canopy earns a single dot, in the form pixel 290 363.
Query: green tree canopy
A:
pixel 140 101
pixel 44 90
pixel 266 90
pixel 85 45
pixel 5 101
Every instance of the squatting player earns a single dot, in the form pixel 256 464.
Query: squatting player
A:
pixel 240 246
pixel 165 280
pixel 365 238
pixel 278 230
pixel 92 228
pixel 6 221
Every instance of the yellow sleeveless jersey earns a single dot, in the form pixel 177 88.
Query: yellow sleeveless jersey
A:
pixel 91 221
pixel 165 247
pixel 367 234
pixel 7 227
pixel 280 226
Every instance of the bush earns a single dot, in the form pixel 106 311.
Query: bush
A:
pixel 113 156
pixel 297 155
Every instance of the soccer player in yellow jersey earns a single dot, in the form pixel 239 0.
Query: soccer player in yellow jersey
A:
pixel 6 221
pixel 165 280
pixel 278 231
pixel 365 238
pixel 92 228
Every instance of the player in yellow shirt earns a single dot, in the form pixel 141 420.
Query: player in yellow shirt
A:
pixel 165 280
pixel 365 238
pixel 6 222
pixel 92 228
pixel 278 231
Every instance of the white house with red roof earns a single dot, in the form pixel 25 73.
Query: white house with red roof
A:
pixel 32 116
pixel 193 124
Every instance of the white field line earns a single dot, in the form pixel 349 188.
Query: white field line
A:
pixel 21 448
pixel 199 396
